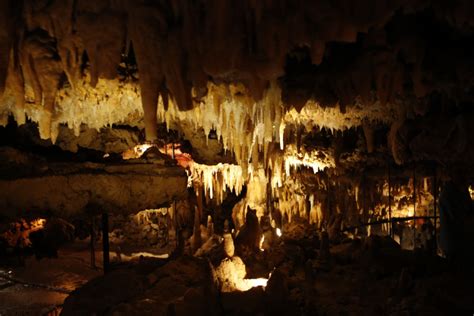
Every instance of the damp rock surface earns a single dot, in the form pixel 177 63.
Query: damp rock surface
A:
pixel 67 189
pixel 183 286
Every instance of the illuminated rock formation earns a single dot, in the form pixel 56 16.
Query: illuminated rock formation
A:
pixel 317 135
pixel 71 189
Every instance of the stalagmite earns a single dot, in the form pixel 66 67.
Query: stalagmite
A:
pixel 250 234
pixel 210 226
pixel 197 241
pixel 229 247
pixel 324 247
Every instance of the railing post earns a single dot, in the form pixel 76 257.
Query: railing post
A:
pixel 92 243
pixel 390 201
pixel 435 204
pixel 414 207
pixel 105 242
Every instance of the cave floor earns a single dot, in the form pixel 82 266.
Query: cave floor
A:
pixel 40 286
pixel 391 283
pixel 357 279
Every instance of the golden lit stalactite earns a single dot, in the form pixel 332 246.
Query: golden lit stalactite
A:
pixel 316 160
pixel 218 178
pixel 314 115
pixel 246 127
pixel 290 199
pixel 294 200
pixel 173 56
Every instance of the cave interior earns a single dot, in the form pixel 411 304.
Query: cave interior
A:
pixel 220 157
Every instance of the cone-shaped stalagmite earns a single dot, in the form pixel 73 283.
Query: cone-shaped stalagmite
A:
pixel 197 240
pixel 229 247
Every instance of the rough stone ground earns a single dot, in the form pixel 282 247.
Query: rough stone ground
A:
pixel 40 286
pixel 358 277
pixel 149 287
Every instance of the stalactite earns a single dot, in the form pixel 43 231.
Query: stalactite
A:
pixel 230 175
pixel 150 21
pixel 14 93
pixel 6 41
pixel 315 160
pixel 103 37
pixel 43 71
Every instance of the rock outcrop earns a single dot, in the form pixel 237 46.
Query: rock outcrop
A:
pixel 67 189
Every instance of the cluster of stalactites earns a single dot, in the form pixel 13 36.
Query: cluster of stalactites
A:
pixel 58 34
pixel 349 204
pixel 314 160
pixel 409 200
pixel 244 127
pixel 179 45
pixel 314 115
pixel 43 48
pixel 217 179
pixel 109 102
pixel 145 216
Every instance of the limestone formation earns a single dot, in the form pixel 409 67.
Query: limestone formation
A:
pixel 67 190
pixel 276 157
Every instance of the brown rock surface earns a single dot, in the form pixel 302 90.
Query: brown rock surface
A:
pixel 182 287
pixel 66 189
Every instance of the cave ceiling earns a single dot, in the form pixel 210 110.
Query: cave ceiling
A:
pixel 340 81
